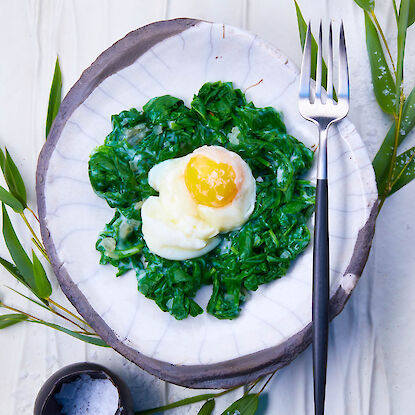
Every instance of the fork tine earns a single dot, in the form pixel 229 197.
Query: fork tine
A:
pixel 306 66
pixel 329 88
pixel 319 62
pixel 343 67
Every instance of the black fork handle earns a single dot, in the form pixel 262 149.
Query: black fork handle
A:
pixel 320 307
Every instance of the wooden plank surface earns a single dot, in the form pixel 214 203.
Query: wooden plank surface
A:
pixel 371 356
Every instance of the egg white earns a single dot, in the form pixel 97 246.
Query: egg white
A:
pixel 175 226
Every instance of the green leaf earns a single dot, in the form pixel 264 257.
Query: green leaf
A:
pixel 54 97
pixel 405 169
pixel 402 26
pixel 7 198
pixel 2 160
pixel 367 5
pixel 411 17
pixel 302 29
pixel 13 178
pixel 18 254
pixel 247 405
pixel 165 129
pixel 207 408
pixel 182 402
pixel 7 320
pixel 43 287
pixel 383 157
pixel 383 83
pixel 16 274
pixel 45 303
pixel 83 337
pixel 13 270
pixel 381 162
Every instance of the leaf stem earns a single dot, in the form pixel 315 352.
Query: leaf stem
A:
pixel 33 319
pixel 33 213
pixel 402 170
pixel 19 311
pixel 68 319
pixel 383 39
pixel 50 309
pixel 253 385
pixel 266 383
pixel 35 237
pixel 67 311
pixel 186 401
pixel 41 249
pixel 87 333
pixel 28 298
pixel 388 185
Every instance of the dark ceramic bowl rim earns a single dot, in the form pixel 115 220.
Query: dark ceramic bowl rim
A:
pixel 49 388
pixel 226 374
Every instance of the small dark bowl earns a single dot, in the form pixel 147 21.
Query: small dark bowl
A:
pixel 46 404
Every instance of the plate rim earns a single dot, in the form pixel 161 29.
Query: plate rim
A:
pixel 225 374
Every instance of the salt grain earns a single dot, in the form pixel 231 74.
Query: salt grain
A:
pixel 86 396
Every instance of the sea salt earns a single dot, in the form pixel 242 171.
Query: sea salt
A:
pixel 87 396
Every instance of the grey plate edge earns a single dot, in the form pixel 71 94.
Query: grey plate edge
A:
pixel 225 374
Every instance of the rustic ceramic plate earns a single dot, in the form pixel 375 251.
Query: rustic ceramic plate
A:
pixel 176 57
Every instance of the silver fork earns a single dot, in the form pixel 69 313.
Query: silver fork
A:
pixel 323 113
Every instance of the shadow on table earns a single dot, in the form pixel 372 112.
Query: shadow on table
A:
pixel 263 404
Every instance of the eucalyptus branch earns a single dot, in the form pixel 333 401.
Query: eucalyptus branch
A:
pixel 382 35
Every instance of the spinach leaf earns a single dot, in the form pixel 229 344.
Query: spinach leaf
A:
pixel 261 251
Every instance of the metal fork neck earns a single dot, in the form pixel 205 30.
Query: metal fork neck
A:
pixel 322 154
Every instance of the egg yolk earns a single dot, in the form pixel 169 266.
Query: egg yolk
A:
pixel 210 183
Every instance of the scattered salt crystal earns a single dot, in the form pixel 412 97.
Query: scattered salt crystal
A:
pixel 86 395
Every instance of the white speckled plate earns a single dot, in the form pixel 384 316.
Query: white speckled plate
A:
pixel 177 57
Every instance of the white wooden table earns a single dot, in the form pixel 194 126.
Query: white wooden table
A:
pixel 372 343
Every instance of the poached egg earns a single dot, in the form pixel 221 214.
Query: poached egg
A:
pixel 202 194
